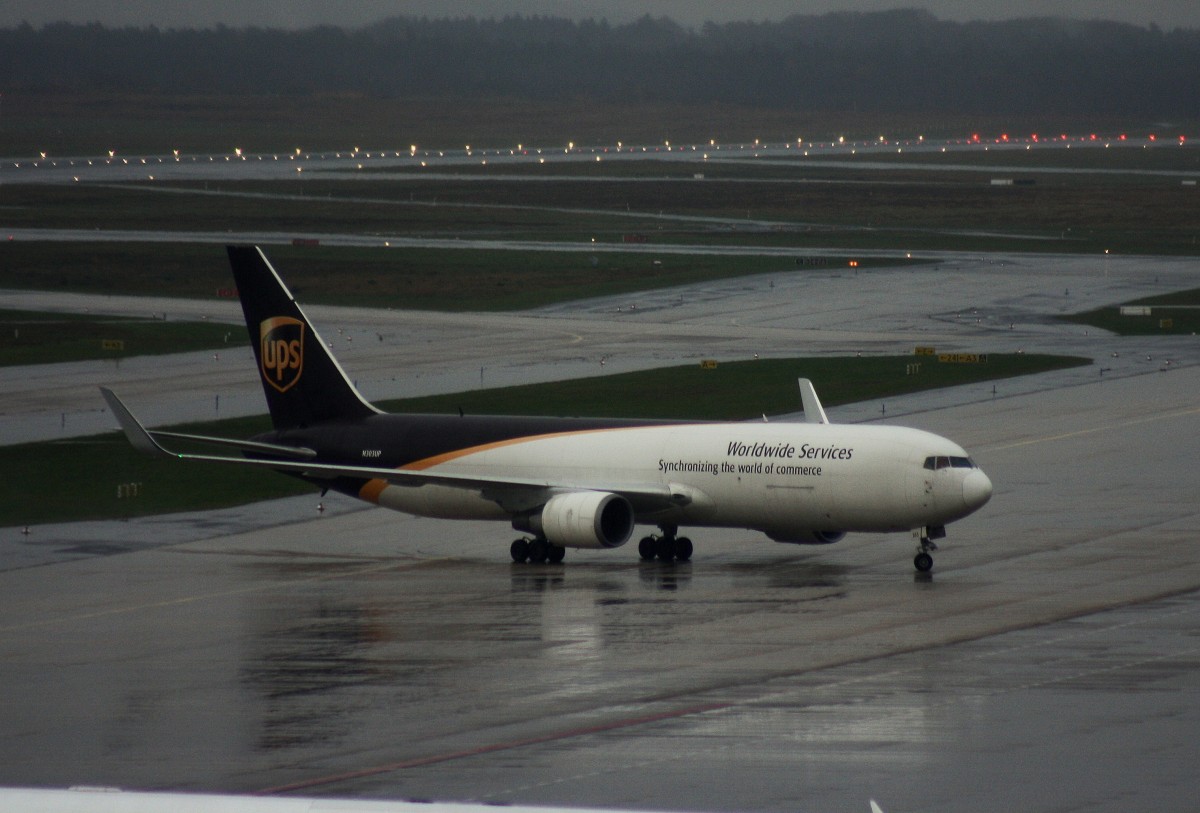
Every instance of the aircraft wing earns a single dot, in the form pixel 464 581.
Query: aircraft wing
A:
pixel 645 497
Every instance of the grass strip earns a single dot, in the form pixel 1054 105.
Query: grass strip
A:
pixel 50 338
pixel 426 279
pixel 1173 314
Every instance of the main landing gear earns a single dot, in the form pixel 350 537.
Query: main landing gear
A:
pixel 923 561
pixel 667 547
pixel 536 550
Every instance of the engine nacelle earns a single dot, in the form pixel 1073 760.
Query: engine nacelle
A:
pixel 807 537
pixel 585 519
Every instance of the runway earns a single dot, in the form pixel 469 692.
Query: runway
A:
pixel 1050 662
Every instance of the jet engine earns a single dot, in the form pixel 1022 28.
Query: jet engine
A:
pixel 807 537
pixel 584 519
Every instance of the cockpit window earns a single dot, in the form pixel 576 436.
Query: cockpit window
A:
pixel 945 462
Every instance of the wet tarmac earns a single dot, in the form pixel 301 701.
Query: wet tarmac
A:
pixel 1049 663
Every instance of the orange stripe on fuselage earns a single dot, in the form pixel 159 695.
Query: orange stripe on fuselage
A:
pixel 373 488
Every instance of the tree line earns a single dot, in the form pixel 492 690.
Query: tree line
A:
pixel 897 61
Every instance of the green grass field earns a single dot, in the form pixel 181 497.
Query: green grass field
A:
pixel 1170 314
pixel 434 279
pixel 92 477
pixel 48 338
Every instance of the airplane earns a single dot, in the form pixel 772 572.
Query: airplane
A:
pixel 578 482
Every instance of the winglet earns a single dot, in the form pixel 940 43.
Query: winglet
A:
pixel 813 411
pixel 133 429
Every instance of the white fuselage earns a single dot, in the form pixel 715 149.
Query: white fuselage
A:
pixel 785 479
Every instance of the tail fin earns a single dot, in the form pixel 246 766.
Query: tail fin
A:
pixel 302 380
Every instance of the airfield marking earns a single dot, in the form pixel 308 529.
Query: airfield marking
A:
pixel 1081 432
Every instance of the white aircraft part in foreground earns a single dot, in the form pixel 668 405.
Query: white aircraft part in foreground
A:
pixel 113 800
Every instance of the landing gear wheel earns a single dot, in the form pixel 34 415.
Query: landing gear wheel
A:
pixel 519 550
pixel 539 550
pixel 923 562
pixel 683 549
pixel 555 554
pixel 646 548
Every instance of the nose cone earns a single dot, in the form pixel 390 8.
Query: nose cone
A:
pixel 977 489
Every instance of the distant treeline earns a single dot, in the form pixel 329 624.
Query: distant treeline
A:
pixel 906 61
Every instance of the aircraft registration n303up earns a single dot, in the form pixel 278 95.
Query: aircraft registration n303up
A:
pixel 579 482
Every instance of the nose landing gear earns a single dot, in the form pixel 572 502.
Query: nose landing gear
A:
pixel 923 561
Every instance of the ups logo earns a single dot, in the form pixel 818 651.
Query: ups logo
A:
pixel 282 351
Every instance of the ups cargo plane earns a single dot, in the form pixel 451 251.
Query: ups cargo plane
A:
pixel 579 482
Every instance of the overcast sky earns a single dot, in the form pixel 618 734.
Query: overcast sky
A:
pixel 1166 14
